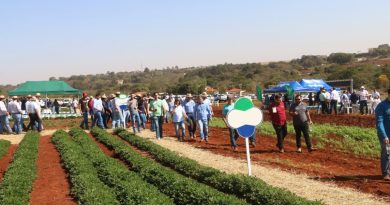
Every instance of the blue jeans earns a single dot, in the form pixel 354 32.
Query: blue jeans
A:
pixel 158 122
pixel 191 124
pixel 135 118
pixel 178 126
pixel 143 119
pixel 233 136
pixel 4 124
pixel 84 123
pixel 116 119
pixel 385 161
pixel 17 123
pixel 203 128
pixel 127 116
pixel 98 119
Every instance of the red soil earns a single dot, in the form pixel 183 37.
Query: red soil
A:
pixel 326 164
pixel 6 160
pixel 51 185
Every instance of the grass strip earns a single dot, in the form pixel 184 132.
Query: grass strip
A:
pixel 182 189
pixel 86 186
pixel 352 139
pixel 4 146
pixel 253 190
pixel 18 180
pixel 129 187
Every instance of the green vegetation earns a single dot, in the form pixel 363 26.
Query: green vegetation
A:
pixel 253 190
pixel 18 179
pixel 357 140
pixel 128 186
pixel 86 186
pixel 183 189
pixel 4 145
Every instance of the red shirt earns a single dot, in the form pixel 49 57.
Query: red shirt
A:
pixel 278 118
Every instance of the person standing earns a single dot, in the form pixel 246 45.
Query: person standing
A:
pixel 142 111
pixel 323 101
pixel 363 97
pixel 278 117
pixel 178 115
pixel 34 112
pixel 189 106
pixel 382 115
pixel 56 106
pixel 98 110
pixel 106 111
pixel 117 117
pixel 344 102
pixel 232 132
pixel 133 106
pixel 202 114
pixel 4 122
pixel 157 110
pixel 301 122
pixel 83 103
pixel 14 108
pixel 334 99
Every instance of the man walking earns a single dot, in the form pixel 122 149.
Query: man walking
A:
pixel 157 110
pixel 189 106
pixel 98 111
pixel 14 108
pixel 4 122
pixel 83 103
pixel 363 97
pixel 382 113
pixel 278 117
pixel 301 122
pixel 334 99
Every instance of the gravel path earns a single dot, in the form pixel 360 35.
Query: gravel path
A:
pixel 298 184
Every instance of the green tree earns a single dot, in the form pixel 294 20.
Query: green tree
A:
pixel 340 58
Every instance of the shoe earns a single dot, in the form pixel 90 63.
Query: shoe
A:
pixel 207 140
pixel 386 177
pixel 299 150
pixel 281 150
pixel 201 140
pixel 312 149
pixel 235 149
pixel 253 144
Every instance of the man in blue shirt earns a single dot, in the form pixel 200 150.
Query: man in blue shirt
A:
pixel 202 113
pixel 189 106
pixel 382 113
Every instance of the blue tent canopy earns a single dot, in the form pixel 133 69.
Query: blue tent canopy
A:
pixel 281 87
pixel 314 85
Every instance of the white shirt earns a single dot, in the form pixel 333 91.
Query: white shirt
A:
pixel 178 114
pixel 97 105
pixel 75 103
pixel 363 95
pixel 376 95
pixel 14 107
pixel 334 95
pixel 3 109
pixel 344 99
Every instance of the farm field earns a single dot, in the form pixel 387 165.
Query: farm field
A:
pixel 338 161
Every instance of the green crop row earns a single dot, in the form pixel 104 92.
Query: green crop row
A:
pixel 86 186
pixel 129 186
pixel 253 190
pixel 4 146
pixel 18 179
pixel 182 189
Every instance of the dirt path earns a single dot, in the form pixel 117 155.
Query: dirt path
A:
pixel 325 164
pixel 51 186
pixel 6 160
pixel 300 184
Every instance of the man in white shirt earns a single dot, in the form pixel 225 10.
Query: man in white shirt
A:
pixel 376 94
pixel 34 112
pixel 97 112
pixel 363 97
pixel 4 122
pixel 334 98
pixel 14 108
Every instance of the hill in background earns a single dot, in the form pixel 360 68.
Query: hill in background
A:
pixel 371 69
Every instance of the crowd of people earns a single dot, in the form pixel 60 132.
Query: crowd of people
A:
pixel 195 113
pixel 15 108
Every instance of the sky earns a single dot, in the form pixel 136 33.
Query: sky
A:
pixel 41 39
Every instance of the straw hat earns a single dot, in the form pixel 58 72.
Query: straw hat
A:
pixel 2 97
pixel 14 97
pixel 189 95
pixel 104 96
pixel 38 94
pixel 118 93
